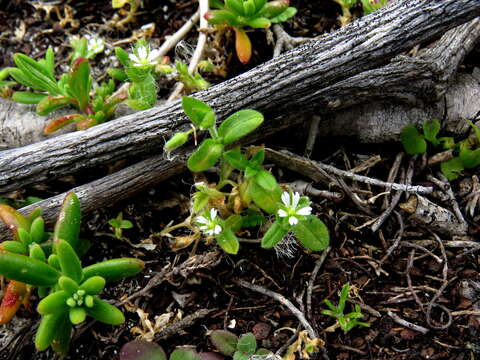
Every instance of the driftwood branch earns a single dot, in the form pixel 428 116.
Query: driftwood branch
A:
pixel 297 81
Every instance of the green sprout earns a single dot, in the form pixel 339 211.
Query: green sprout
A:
pixel 69 292
pixel 253 191
pixel 240 348
pixel 248 13
pixel 345 321
pixel 118 224
pixel 467 150
pixel 73 89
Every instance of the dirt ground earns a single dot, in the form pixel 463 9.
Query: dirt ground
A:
pixel 425 280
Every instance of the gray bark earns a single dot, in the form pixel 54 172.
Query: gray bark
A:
pixel 295 82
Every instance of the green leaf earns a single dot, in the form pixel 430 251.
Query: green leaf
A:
pixel 259 4
pixel 312 233
pixel 114 269
pixel 46 330
pixel 470 158
pixel 238 355
pixel 234 222
pixel 257 159
pixel 36 252
pixel 253 219
pixel 14 247
pixel 284 16
pixel 54 303
pixel 265 200
pixel 93 285
pixel 69 261
pixel 200 200
pixel 37 230
pixel 274 8
pixel 236 159
pixel 51 103
pixel 67 226
pixel 184 354
pixel 452 168
pixel 228 241
pixel 412 141
pixel 205 156
pixel 197 110
pixel 142 350
pixel 118 74
pixel 27 270
pixel 106 313
pixel 249 8
pixel 431 129
pixel 274 235
pixel 224 341
pixel 343 297
pixel 61 341
pixel 68 285
pixel 236 6
pixel 13 219
pixel 61 122
pixel 50 62
pixel 143 94
pixel 122 56
pixel 247 344
pixel 476 129
pixel 77 315
pixel 221 17
pixel 216 4
pixel 21 78
pixel 27 97
pixel 176 140
pixel 266 180
pixel 239 124
pixel 36 74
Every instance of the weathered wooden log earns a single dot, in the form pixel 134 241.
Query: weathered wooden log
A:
pixel 288 84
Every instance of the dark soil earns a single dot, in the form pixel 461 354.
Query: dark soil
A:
pixel 355 251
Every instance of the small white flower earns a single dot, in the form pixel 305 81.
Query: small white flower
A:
pixel 208 223
pixel 144 56
pixel 289 208
pixel 95 45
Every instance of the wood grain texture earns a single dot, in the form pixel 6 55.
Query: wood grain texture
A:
pixel 292 82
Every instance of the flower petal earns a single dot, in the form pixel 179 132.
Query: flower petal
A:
pixel 202 220
pixel 307 210
pixel 209 232
pixel 286 198
pixel 282 213
pixel 134 58
pixel 203 227
pixel 142 52
pixel 296 199
pixel 154 54
pixel 213 213
pixel 292 220
pixel 217 230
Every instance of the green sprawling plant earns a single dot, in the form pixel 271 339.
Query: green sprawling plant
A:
pixel 467 151
pixel 248 13
pixel 245 191
pixel 191 82
pixel 73 89
pixel 240 348
pixel 370 6
pixel 118 224
pixel 51 263
pixel 345 321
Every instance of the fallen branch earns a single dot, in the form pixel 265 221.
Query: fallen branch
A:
pixel 313 77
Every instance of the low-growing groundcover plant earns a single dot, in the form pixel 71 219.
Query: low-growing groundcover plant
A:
pixel 246 194
pixel 467 151
pixel 345 321
pixel 51 263
pixel 248 13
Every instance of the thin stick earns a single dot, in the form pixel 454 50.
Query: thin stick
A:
pixel 393 174
pixel 198 53
pixel 312 135
pixel 284 301
pixel 407 324
pixel 397 239
pixel 311 282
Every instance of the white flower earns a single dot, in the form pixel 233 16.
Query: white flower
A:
pixel 208 223
pixel 144 56
pixel 95 45
pixel 289 208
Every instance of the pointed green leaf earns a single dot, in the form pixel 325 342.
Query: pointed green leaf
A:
pixel 266 180
pixel 69 261
pixel 234 222
pixel 197 110
pixel 239 124
pixel 61 122
pixel 412 141
pixel 274 235
pixel 37 230
pixel 14 247
pixel 36 74
pixel 274 8
pixel 122 56
pixel 221 17
pixel 36 252
pixel 27 97
pixel 80 82
pixel 67 226
pixel 236 6
pixel 236 159
pixel 265 200
pixel 284 16
pixel 228 241
pixel 205 156
pixel 431 129
pixel 247 344
pixel 51 103
pixel 312 233
pixel 470 158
